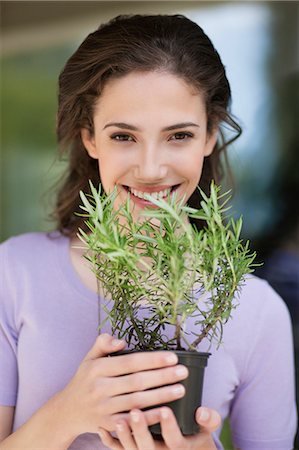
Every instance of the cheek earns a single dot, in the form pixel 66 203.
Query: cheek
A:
pixel 192 166
pixel 110 168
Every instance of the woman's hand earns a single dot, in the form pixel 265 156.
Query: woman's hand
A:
pixel 104 387
pixel 135 435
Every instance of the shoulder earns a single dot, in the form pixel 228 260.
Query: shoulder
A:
pixel 262 321
pixel 258 301
pixel 28 240
pixel 259 323
pixel 29 253
pixel 30 245
pixel 28 263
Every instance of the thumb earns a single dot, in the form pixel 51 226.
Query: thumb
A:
pixel 208 419
pixel 104 344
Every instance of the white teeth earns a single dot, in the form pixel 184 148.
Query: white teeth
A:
pixel 155 195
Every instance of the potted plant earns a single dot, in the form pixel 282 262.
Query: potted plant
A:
pixel 158 273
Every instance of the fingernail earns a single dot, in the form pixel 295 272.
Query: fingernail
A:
pixel 171 359
pixel 134 416
pixel 120 427
pixel 178 390
pixel 181 371
pixel 115 342
pixel 204 414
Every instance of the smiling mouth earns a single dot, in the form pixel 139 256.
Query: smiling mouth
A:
pixel 157 195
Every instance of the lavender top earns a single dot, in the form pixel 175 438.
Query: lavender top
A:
pixel 48 322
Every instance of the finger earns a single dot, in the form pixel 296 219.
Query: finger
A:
pixel 208 419
pixel 144 399
pixel 104 345
pixel 140 430
pixel 136 362
pixel 171 432
pixel 125 436
pixel 140 381
pixel 152 416
pixel 109 441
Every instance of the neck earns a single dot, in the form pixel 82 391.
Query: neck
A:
pixel 81 265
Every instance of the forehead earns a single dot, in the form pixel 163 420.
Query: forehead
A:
pixel 149 92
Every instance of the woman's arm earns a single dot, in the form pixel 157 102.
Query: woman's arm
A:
pixel 45 429
pixel 6 421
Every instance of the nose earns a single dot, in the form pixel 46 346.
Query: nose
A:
pixel 150 166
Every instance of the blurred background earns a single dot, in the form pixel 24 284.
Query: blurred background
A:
pixel 258 44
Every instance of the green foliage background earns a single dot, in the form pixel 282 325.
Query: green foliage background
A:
pixel 28 143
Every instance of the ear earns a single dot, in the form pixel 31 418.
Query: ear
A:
pixel 211 142
pixel 89 143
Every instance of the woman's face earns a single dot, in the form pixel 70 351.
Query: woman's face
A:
pixel 150 136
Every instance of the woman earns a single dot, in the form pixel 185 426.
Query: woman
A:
pixel 142 104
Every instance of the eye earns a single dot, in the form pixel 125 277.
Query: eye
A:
pixel 121 137
pixel 181 136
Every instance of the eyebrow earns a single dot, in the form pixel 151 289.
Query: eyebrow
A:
pixel 127 126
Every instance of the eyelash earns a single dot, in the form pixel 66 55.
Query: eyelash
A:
pixel 186 134
pixel 122 137
pixel 119 136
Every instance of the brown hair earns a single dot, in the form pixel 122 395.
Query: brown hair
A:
pixel 171 43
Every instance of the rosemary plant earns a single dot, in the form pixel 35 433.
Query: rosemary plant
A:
pixel 165 267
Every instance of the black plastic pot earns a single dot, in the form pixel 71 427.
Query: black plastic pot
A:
pixel 185 407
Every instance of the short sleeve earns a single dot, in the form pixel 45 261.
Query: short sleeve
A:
pixel 263 413
pixel 8 334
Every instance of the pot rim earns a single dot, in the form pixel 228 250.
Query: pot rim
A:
pixel 192 353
